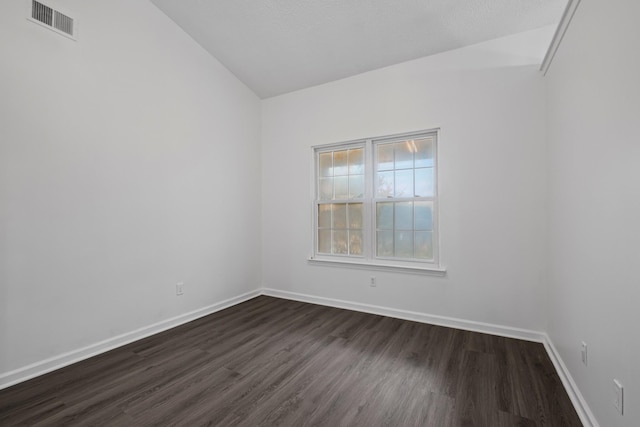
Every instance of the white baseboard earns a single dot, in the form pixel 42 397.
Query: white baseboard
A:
pixel 451 322
pixel 579 403
pixel 42 367
pixel 583 410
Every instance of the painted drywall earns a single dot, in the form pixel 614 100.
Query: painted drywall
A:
pixel 593 105
pixel 488 101
pixel 129 161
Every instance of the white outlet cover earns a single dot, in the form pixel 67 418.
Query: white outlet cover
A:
pixel 618 396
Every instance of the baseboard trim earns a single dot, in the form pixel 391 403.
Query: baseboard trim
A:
pixel 579 403
pixel 583 410
pixel 451 322
pixel 40 368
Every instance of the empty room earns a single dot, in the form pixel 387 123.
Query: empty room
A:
pixel 319 213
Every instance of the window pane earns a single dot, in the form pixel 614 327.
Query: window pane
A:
pixel 385 243
pixel 356 186
pixel 355 242
pixel 424 182
pixel 404 183
pixel 339 215
pixel 355 215
pixel 356 161
pixel 341 187
pixel 326 189
pixel 423 214
pixel 385 157
pixel 404 155
pixel 340 163
pixel 324 241
pixel 384 216
pixel 424 244
pixel 404 244
pixel 324 216
pixel 424 152
pixel 404 216
pixel 404 190
pixel 326 164
pixel 384 184
pixel 339 242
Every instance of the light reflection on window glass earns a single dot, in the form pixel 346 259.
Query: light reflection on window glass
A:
pixel 339 242
pixel 424 182
pixel 404 216
pixel 356 186
pixel 326 188
pixel 385 187
pixel 384 216
pixel 402 180
pixel 423 214
pixel 340 178
pixel 324 241
pixel 340 228
pixel 340 163
pixel 326 164
pixel 341 187
pixel 404 155
pixel 404 244
pixel 324 216
pixel 404 183
pixel 385 243
pixel 355 215
pixel 404 229
pixel 385 157
pixel 339 215
pixel 404 169
pixel 341 174
pixel 356 161
pixel 424 152
pixel 355 242
pixel 424 244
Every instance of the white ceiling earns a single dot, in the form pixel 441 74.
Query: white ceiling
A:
pixel 278 46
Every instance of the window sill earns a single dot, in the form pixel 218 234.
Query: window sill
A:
pixel 433 271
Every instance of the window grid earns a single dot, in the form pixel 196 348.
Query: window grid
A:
pixel 405 188
pixel 341 174
pixel 339 193
pixel 394 237
pixel 396 175
pixel 340 229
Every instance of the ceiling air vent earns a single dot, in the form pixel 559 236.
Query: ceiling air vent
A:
pixel 52 19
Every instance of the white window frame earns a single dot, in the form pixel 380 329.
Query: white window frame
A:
pixel 368 260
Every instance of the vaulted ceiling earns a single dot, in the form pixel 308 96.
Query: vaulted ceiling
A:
pixel 278 46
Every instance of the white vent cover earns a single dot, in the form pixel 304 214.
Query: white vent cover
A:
pixel 52 19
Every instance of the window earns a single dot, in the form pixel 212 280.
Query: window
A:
pixel 375 201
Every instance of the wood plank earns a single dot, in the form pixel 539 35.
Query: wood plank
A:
pixel 270 361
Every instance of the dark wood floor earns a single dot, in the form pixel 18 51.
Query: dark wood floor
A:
pixel 276 362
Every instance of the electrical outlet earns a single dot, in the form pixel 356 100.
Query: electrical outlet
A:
pixel 584 353
pixel 618 396
pixel 372 282
pixel 180 288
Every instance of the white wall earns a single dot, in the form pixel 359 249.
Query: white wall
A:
pixel 594 194
pixel 129 161
pixel 488 100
